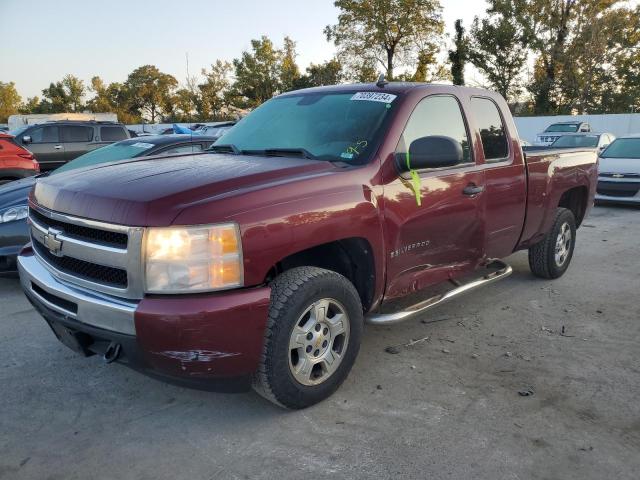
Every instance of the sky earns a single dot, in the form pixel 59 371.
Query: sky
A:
pixel 43 40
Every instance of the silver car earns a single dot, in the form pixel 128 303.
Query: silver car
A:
pixel 580 140
pixel 619 172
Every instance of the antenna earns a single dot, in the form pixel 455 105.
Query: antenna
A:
pixel 381 81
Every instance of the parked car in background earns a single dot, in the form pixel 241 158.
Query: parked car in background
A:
pixel 619 172
pixel 258 264
pixel 14 232
pixel 217 129
pixel 556 130
pixel 588 140
pixel 4 128
pixel 55 143
pixel 15 161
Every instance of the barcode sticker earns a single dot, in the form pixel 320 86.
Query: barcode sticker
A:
pixel 374 97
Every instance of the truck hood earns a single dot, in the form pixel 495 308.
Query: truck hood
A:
pixel 153 191
pixel 619 165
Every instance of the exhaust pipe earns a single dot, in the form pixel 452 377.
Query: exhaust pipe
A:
pixel 112 352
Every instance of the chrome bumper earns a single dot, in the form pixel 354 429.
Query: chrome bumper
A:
pixel 91 308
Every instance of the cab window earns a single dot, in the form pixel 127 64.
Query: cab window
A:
pixel 438 115
pixel 48 134
pixel 492 131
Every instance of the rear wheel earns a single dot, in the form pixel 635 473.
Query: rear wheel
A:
pixel 551 257
pixel 312 337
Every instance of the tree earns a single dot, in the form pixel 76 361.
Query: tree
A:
pixel 497 47
pixel 214 91
pixel 10 101
pixel 150 91
pixel 32 105
pixel 327 73
pixel 458 57
pixel 289 71
pixel 258 74
pixel 55 99
pixel 384 33
pixel 75 90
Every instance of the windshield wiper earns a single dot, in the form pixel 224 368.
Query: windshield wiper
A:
pixel 282 152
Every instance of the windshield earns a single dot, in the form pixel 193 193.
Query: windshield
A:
pixel 576 141
pixel 623 148
pixel 562 127
pixel 326 126
pixel 110 153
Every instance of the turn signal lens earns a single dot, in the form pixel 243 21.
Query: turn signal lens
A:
pixel 193 259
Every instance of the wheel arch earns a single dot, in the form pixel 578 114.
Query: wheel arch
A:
pixel 351 257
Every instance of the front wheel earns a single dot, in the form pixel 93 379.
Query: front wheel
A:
pixel 312 338
pixel 550 257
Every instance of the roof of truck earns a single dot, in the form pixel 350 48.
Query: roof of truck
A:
pixel 391 87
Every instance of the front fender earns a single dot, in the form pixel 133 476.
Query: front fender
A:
pixel 273 232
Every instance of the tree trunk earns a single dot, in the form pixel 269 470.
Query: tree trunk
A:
pixel 390 53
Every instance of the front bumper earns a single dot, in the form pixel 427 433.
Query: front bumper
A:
pixel 618 190
pixel 211 341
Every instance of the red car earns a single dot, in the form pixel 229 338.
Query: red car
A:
pixel 257 263
pixel 15 161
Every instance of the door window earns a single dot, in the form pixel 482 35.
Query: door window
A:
pixel 76 133
pixel 492 131
pixel 437 115
pixel 196 147
pixel 112 134
pixel 48 134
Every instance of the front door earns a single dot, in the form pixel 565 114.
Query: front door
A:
pixel 444 236
pixel 46 146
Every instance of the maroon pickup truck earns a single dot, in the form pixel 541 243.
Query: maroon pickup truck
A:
pixel 258 263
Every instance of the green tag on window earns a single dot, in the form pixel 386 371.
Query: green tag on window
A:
pixel 416 183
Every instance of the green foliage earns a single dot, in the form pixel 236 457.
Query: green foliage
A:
pixel 150 91
pixel 458 57
pixel 384 33
pixel 258 74
pixel 214 91
pixel 497 47
pixel 9 101
pixel 327 73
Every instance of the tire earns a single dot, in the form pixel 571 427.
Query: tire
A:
pixel 551 257
pixel 287 374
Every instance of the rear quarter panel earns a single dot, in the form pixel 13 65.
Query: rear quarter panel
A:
pixel 551 173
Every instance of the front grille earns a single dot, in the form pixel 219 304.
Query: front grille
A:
pixel 110 276
pixel 618 189
pixel 618 175
pixel 113 239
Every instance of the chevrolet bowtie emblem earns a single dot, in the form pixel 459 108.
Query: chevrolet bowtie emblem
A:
pixel 50 240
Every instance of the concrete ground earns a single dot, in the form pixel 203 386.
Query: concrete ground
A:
pixel 447 407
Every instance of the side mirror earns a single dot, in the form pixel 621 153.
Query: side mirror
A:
pixel 26 139
pixel 431 152
pixel 603 147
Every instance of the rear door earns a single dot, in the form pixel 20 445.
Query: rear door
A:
pixel 443 236
pixel 505 179
pixel 76 140
pixel 45 145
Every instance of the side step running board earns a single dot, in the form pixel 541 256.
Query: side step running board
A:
pixel 503 271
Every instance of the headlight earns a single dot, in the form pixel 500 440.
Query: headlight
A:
pixel 14 213
pixel 193 259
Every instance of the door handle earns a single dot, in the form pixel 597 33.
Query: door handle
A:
pixel 58 147
pixel 472 190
